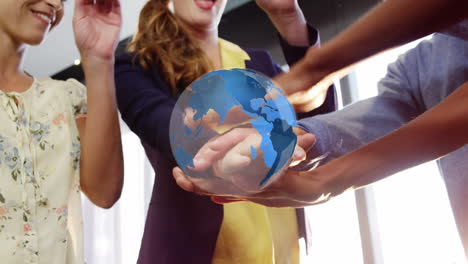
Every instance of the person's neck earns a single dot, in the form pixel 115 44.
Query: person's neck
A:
pixel 208 42
pixel 11 56
pixel 11 68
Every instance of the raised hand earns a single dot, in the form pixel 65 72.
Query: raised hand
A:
pixel 97 28
pixel 96 24
pixel 278 6
pixel 288 19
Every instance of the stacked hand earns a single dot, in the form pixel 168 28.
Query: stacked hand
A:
pixel 229 156
pixel 307 82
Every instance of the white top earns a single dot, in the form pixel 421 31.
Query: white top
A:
pixel 40 208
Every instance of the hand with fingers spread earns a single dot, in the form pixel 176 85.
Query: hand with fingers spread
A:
pixel 97 27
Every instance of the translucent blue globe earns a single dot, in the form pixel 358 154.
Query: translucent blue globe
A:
pixel 233 102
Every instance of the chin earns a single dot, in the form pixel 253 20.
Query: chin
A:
pixel 33 41
pixel 207 23
pixel 33 38
pixel 29 36
pixel 36 41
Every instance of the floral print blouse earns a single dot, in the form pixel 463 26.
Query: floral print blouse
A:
pixel 40 208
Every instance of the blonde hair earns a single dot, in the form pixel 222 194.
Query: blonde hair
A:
pixel 163 41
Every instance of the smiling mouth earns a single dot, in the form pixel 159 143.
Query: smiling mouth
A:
pixel 47 18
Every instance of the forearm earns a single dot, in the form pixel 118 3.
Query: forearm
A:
pixel 392 23
pixel 435 133
pixel 101 158
pixel 341 132
pixel 144 103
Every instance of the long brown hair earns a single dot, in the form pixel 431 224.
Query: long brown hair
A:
pixel 163 41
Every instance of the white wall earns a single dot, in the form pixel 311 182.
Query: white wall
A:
pixel 59 51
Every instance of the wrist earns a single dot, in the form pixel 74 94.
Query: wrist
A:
pixel 336 178
pixel 96 64
pixel 290 14
pixel 292 26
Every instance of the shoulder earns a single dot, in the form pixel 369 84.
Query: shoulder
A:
pixel 125 57
pixel 70 91
pixel 127 60
pixel 60 85
pixel 129 63
pixel 127 66
pixel 131 76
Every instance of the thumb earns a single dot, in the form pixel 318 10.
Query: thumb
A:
pixel 306 141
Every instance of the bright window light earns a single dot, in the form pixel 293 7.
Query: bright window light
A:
pixel 414 216
pixel 335 232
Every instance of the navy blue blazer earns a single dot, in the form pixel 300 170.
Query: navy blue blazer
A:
pixel 182 227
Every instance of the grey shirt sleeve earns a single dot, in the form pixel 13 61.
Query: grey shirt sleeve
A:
pixel 398 102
